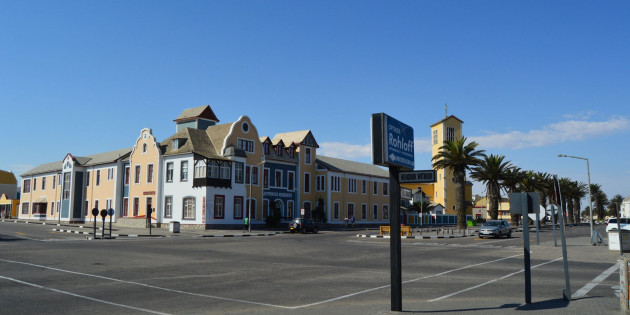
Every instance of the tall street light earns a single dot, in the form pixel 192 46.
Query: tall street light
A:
pixel 590 202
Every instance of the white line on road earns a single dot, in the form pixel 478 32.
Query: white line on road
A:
pixel 257 303
pixel 81 296
pixel 589 286
pixel 491 281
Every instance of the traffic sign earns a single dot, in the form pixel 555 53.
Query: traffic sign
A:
pixel 392 142
pixel 424 176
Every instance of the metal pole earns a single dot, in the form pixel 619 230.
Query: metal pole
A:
pixel 590 201
pixel 553 222
pixel 619 231
pixel 394 240
pixel 526 250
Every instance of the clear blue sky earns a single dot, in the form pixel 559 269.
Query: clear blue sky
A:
pixel 530 79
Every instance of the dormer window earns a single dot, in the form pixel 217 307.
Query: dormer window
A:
pixel 279 149
pixel 266 147
pixel 291 151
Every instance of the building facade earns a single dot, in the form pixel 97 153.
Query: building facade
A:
pixel 207 175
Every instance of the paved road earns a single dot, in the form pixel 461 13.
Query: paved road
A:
pixel 333 272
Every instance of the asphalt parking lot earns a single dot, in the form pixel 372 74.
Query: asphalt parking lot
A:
pixel 332 272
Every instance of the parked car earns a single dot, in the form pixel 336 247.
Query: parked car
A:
pixel 303 226
pixel 611 224
pixel 495 228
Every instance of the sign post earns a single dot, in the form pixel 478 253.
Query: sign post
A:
pixel 525 203
pixel 111 214
pixel 392 146
pixel 103 215
pixel 95 214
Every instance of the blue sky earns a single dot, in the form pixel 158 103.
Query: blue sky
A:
pixel 530 79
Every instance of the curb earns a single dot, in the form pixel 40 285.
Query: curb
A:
pixel 415 237
pixel 72 232
pixel 238 235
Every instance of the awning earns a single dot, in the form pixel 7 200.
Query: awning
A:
pixel 41 200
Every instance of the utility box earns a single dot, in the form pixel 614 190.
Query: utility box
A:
pixel 613 240
pixel 174 227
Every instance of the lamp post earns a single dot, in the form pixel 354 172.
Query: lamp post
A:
pixel 251 180
pixel 588 173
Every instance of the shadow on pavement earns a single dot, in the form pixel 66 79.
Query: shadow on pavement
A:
pixel 10 238
pixel 544 305
pixel 504 306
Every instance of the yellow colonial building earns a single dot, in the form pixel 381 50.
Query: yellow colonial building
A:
pixel 442 192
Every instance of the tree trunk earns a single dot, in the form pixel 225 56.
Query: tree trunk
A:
pixel 460 195
pixel 493 201
pixel 570 210
pixel 577 211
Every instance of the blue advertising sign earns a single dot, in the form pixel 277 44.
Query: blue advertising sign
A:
pixel 392 142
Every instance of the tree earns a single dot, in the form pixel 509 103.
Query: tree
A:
pixel 614 204
pixel 579 191
pixel 565 188
pixel 492 171
pixel 511 182
pixel 458 156
pixel 599 200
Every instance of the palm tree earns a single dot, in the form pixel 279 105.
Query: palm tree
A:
pixel 544 187
pixel 614 204
pixel 596 192
pixel 458 156
pixel 565 188
pixel 492 170
pixel 513 178
pixel 569 195
pixel 579 193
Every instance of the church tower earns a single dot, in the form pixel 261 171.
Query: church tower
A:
pixel 449 128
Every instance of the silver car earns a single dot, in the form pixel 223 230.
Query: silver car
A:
pixel 495 228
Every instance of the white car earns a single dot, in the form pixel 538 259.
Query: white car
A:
pixel 611 224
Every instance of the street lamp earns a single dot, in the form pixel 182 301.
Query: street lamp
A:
pixel 590 202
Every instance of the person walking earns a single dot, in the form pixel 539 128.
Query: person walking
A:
pixel 352 220
pixel 245 224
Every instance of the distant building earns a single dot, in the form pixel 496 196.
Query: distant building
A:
pixel 480 209
pixel 442 192
pixel 9 196
pixel 206 175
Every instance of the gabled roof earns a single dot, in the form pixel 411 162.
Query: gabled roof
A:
pixel 303 137
pixel 345 166
pixel 194 141
pixel 90 160
pixel 7 178
pixel 447 118
pixel 44 168
pixel 204 112
pixel 217 135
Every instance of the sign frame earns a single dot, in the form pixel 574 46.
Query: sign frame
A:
pixel 418 176
pixel 392 142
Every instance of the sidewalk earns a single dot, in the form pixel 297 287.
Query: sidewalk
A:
pixel 88 230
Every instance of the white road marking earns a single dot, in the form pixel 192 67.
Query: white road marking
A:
pixel 589 286
pixel 82 296
pixel 258 303
pixel 491 281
